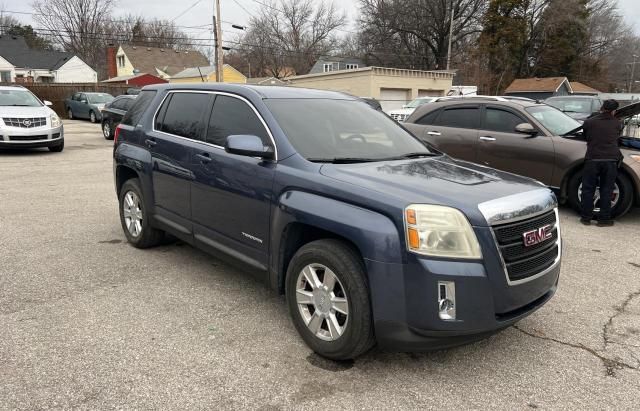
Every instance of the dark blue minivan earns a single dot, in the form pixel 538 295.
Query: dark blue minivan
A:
pixel 373 236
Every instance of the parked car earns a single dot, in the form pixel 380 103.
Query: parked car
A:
pixel 407 109
pixel 87 105
pixel 577 107
pixel 371 235
pixel 113 112
pixel 28 122
pixel 526 138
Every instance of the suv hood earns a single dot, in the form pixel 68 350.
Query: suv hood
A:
pixel 11 111
pixel 438 180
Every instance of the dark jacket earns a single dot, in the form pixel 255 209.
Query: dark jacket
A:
pixel 602 132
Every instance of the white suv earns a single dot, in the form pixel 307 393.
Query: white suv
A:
pixel 27 122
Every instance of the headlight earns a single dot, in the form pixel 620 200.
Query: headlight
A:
pixel 635 157
pixel 440 231
pixel 55 120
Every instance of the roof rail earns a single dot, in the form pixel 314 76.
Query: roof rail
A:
pixel 489 98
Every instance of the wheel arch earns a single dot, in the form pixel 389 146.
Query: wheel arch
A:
pixel 124 173
pixel 302 217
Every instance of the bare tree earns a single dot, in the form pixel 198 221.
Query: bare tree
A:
pixel 138 31
pixel 291 34
pixel 76 25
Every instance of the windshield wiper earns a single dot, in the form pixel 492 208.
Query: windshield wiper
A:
pixel 344 160
pixel 419 154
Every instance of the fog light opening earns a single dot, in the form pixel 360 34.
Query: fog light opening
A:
pixel 447 300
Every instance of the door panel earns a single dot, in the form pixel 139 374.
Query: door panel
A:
pixel 231 194
pixel 500 147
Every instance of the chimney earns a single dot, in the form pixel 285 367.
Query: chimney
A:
pixel 112 68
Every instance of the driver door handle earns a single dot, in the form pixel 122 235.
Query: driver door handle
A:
pixel 204 158
pixel 486 138
pixel 434 133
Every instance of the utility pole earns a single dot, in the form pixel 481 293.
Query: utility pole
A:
pixel 633 73
pixel 217 35
pixel 450 38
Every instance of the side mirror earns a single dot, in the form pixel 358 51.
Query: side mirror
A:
pixel 47 103
pixel 248 145
pixel 526 128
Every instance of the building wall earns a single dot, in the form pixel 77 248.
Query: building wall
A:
pixel 127 69
pixel 8 67
pixel 75 71
pixel 380 82
pixel 230 75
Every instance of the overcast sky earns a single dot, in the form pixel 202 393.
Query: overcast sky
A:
pixel 236 11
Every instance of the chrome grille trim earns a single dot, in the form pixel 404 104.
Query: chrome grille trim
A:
pixel 25 122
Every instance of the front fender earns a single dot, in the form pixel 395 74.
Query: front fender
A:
pixel 374 234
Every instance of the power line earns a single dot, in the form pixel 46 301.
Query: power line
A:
pixel 185 12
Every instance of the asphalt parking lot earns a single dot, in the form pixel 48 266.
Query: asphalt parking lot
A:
pixel 90 322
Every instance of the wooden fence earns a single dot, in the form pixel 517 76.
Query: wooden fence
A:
pixel 57 93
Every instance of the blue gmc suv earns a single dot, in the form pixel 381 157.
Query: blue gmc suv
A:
pixel 373 236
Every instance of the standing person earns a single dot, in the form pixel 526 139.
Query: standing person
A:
pixel 602 160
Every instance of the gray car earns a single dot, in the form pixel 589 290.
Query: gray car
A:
pixel 87 105
pixel 28 122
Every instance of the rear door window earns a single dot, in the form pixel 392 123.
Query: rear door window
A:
pixel 134 114
pixel 184 115
pixel 460 117
pixel 501 120
pixel 232 116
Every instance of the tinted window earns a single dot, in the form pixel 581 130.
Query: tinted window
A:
pixel 232 116
pixel 76 97
pixel 429 118
pixel 127 102
pixel 184 115
pixel 137 110
pixel 464 117
pixel 117 104
pixel 500 120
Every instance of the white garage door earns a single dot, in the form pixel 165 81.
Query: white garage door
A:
pixel 393 98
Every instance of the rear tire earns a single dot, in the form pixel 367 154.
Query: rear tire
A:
pixel 347 336
pixel 135 218
pixel 58 148
pixel 107 130
pixel 624 202
pixel 92 117
pixel 70 114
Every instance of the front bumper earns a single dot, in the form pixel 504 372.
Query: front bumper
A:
pixel 405 300
pixel 15 137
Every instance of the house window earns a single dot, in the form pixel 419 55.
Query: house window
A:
pixel 5 76
pixel 327 67
pixel 351 66
pixel 120 61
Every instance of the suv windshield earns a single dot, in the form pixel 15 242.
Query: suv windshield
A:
pixel 553 119
pixel 418 102
pixel 572 105
pixel 99 98
pixel 22 98
pixel 323 129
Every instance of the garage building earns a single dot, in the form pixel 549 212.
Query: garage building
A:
pixel 392 87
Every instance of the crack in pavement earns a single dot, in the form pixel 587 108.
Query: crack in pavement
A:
pixel 611 365
pixel 621 309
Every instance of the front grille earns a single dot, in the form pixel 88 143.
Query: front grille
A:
pixel 28 138
pixel 521 261
pixel 29 122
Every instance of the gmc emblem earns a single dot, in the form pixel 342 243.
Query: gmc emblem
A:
pixel 538 236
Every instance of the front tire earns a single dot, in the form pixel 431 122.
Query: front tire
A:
pixel 58 148
pixel 623 190
pixel 135 218
pixel 328 299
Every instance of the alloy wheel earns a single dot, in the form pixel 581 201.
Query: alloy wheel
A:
pixel 132 213
pixel 615 198
pixel 322 302
pixel 92 117
pixel 106 130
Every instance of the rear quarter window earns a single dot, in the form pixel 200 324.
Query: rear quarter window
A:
pixel 134 114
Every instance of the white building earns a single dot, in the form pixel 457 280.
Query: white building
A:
pixel 21 64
